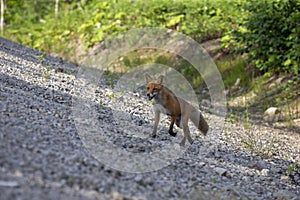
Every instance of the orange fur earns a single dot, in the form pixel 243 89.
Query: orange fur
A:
pixel 178 109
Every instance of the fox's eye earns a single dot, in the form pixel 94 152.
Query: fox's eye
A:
pixel 148 88
pixel 154 89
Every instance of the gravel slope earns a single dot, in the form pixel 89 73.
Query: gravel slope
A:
pixel 43 157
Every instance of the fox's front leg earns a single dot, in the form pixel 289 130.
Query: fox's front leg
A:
pixel 186 131
pixel 156 121
pixel 171 132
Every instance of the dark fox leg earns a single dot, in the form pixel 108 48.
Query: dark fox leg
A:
pixel 178 119
pixel 171 132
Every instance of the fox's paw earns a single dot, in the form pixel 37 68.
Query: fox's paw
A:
pixel 153 135
pixel 182 143
pixel 178 124
pixel 172 133
pixel 191 141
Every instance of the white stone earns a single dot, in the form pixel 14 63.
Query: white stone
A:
pixel 264 172
pixel 9 184
pixel 237 82
pixel 279 80
pixel 270 114
pixel 220 171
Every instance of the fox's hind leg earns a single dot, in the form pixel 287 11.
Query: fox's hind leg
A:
pixel 186 131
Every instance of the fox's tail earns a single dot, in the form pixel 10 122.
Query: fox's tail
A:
pixel 199 121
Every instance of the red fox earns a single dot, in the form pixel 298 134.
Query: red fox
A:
pixel 179 110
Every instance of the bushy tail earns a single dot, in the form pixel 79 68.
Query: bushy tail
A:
pixel 199 121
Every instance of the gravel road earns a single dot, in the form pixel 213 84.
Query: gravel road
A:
pixel 43 155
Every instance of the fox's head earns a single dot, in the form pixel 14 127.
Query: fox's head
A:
pixel 153 86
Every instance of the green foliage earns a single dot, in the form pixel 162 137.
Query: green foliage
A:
pixel 41 57
pixel 90 22
pixel 292 168
pixel 268 31
pixel 46 75
pixel 271 35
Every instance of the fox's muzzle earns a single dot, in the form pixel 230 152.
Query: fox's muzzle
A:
pixel 151 96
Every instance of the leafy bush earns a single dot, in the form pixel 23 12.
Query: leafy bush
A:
pixel 271 35
pixel 90 22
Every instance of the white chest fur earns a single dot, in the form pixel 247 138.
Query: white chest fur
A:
pixel 158 103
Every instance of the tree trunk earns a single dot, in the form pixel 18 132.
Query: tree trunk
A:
pixel 2 17
pixel 56 9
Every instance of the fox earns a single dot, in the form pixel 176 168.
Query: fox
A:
pixel 177 108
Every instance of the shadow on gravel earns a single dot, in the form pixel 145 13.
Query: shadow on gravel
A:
pixel 41 156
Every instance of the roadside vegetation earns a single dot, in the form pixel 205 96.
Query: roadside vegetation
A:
pixel 259 41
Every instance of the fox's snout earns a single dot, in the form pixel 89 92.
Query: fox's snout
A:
pixel 151 96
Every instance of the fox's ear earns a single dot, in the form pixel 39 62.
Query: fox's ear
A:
pixel 160 79
pixel 148 78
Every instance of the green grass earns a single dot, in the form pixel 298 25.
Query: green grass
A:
pixel 48 68
pixel 46 75
pixel 233 69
